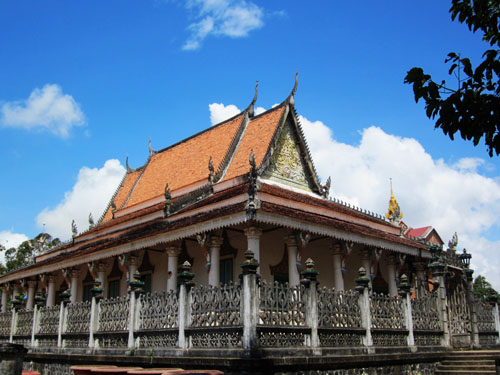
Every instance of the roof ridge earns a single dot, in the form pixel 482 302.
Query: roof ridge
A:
pixel 101 218
pixel 200 133
pixel 135 184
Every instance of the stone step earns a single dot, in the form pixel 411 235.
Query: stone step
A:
pixel 471 363
pixel 464 372
pixel 468 366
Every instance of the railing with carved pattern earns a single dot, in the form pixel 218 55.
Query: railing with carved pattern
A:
pixel 216 307
pixel 78 317
pixel 339 318
pixel 158 320
pixel 281 305
pixel 24 322
pixel 114 314
pixel 5 322
pixel 427 329
pixel 388 320
pixel 48 320
pixel 485 314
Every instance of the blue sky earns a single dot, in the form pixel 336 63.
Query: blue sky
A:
pixel 119 72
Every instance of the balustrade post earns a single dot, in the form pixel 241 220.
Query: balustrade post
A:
pixel 493 301
pixel 65 297
pixel 97 293
pixel 404 292
pixel 362 287
pixel 438 270
pixel 472 308
pixel 34 325
pixel 13 324
pixel 185 284
pixel 135 289
pixel 310 282
pixel 249 301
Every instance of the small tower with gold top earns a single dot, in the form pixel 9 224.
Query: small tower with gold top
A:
pixel 394 213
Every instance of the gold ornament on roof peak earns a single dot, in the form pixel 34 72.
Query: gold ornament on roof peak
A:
pixel 394 213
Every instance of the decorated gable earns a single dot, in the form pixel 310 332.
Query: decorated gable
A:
pixel 287 164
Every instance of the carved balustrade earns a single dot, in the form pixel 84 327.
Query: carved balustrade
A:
pixel 387 320
pixel 427 327
pixel 5 322
pixel 24 323
pixel 486 323
pixel 282 315
pixel 220 308
pixel 339 318
pixel 158 320
pixel 113 322
pixel 48 320
pixel 76 334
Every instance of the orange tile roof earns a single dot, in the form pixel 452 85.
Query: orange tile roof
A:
pixel 257 137
pixel 123 192
pixel 185 163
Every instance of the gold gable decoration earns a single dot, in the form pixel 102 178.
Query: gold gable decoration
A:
pixel 286 164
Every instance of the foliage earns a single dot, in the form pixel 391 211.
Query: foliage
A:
pixel 26 252
pixel 482 288
pixel 473 108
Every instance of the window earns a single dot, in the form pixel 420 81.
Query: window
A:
pixel 87 294
pixel 114 288
pixel 226 271
pixel 281 278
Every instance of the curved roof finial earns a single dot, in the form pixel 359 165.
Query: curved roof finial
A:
pixel 128 166
pixel 291 99
pixel 251 107
pixel 151 152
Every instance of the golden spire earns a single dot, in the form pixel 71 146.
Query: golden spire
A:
pixel 394 213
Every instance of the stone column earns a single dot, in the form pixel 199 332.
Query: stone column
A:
pixel 214 249
pixel 132 266
pixel 253 237
pixel 391 275
pixel 51 294
pixel 15 291
pixel 31 294
pixel 5 297
pixel 293 247
pixel 101 276
pixel 367 264
pixel 421 284
pixel 185 281
pixel 312 315
pixel 338 278
pixel 173 253
pixel 74 275
pixel 472 308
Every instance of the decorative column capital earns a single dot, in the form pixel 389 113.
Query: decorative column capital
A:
pixel 291 240
pixel 51 278
pixel 254 232
pixel 336 248
pixel 365 253
pixel 215 241
pixel 101 267
pixel 32 283
pixel 391 259
pixel 132 260
pixel 420 266
pixel 173 251
pixel 74 273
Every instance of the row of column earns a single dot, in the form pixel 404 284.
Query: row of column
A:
pixel 213 247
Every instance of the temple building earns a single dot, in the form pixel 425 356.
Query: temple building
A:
pixel 243 192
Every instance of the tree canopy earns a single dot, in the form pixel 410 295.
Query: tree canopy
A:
pixel 482 288
pixel 473 107
pixel 25 253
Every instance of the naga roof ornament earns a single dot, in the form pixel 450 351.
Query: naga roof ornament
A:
pixel 128 166
pixel 74 229
pixel 291 99
pixel 211 172
pixel 251 107
pixel 151 151
pixel 394 213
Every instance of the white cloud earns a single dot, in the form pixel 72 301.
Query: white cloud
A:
pixel 46 108
pixel 220 112
pixel 9 240
pixel 90 194
pixel 231 18
pixel 430 192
